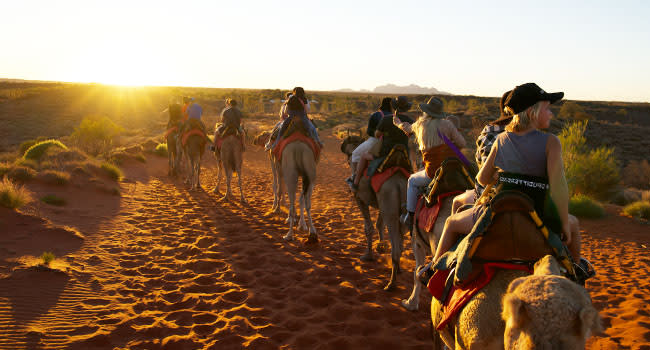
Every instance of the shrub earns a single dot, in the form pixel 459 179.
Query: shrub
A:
pixel 36 151
pixel 24 146
pixel 584 206
pixel 161 150
pixel 53 200
pixel 638 209
pixel 637 174
pixel 30 163
pixel 572 110
pixel 112 171
pixel 21 173
pixel 591 172
pixel 54 177
pixel 13 196
pixel 141 158
pixel 47 258
pixel 4 168
pixel 95 135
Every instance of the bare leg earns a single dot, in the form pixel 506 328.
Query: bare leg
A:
pixel 455 226
pixel 574 246
pixel 462 199
pixel 363 164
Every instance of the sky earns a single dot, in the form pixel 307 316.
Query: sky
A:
pixel 591 50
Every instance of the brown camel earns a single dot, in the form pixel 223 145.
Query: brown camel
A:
pixel 298 161
pixel 193 149
pixel 173 155
pixel 451 178
pixel 229 158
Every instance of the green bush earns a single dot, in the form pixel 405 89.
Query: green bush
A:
pixel 161 150
pixel 638 209
pixel 591 172
pixel 586 207
pixel 47 258
pixel 53 200
pixel 21 173
pixel 24 146
pixel 96 135
pixel 36 151
pixel 112 171
pixel 54 177
pixel 13 196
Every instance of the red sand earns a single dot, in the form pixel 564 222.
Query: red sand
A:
pixel 164 268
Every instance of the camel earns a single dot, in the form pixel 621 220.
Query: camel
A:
pixel 173 155
pixel 478 325
pixel 548 311
pixel 298 161
pixel 229 158
pixel 193 149
pixel 451 179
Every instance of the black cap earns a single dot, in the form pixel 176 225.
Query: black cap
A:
pixel 526 95
pixel 401 104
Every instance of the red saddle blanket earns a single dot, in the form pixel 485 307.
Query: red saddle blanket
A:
pixel 218 140
pixel 187 135
pixel 378 179
pixel 170 130
pixel 427 216
pixel 459 296
pixel 296 136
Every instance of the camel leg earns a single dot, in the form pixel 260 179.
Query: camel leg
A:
pixel 228 178
pixel 276 186
pixel 394 232
pixel 301 223
pixel 198 172
pixel 412 303
pixel 241 189
pixel 382 246
pixel 219 168
pixel 306 199
pixel 368 230
pixel 292 183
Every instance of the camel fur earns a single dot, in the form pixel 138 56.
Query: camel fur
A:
pixel 298 162
pixel 548 311
pixel 230 158
pixel 193 149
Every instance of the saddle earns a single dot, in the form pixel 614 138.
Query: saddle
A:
pixel 194 127
pixel 295 125
pixel 397 157
pixel 451 176
pixel 229 130
pixel 277 152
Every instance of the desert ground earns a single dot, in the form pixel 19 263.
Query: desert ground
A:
pixel 160 267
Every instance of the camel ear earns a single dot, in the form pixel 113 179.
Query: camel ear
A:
pixel 589 322
pixel 515 310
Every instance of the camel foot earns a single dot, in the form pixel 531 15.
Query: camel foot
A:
pixel 216 190
pixel 288 237
pixel 243 201
pixel 312 239
pixel 302 226
pixel 367 257
pixel 409 305
pixel 382 247
pixel 390 286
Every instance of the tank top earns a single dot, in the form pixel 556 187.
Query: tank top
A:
pixel 522 154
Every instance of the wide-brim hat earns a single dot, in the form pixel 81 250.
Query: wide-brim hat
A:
pixel 503 116
pixel 527 95
pixel 401 104
pixel 433 107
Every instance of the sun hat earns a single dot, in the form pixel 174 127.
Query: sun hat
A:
pixel 401 104
pixel 433 107
pixel 503 115
pixel 526 95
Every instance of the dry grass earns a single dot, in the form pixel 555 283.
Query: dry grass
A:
pixel 13 196
pixel 640 209
pixel 112 171
pixel 53 177
pixel 37 151
pixel 21 173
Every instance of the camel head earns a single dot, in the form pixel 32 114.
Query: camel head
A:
pixel 349 144
pixel 262 138
pixel 548 311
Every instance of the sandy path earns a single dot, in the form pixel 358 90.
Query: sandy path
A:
pixel 164 268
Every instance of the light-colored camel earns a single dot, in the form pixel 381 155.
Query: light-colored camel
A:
pixel 548 311
pixel 229 159
pixel 193 149
pixel 173 157
pixel 389 200
pixel 298 161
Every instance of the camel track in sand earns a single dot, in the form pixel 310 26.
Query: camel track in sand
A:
pixel 164 268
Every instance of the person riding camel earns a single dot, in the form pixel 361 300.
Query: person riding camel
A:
pixel 525 155
pixel 390 136
pixel 484 144
pixel 293 111
pixel 276 127
pixel 429 130
pixel 230 122
pixel 367 145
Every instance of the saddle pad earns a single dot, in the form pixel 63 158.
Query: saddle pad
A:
pixel 192 132
pixel 218 140
pixel 427 216
pixel 378 179
pixel 170 130
pixel 458 297
pixel 296 136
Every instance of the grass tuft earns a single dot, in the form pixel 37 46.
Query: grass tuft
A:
pixel 584 206
pixel 4 169
pixel 112 171
pixel 21 173
pixel 36 151
pixel 47 258
pixel 161 150
pixel 13 196
pixel 53 177
pixel 638 209
pixel 53 200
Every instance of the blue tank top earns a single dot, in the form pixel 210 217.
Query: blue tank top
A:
pixel 522 154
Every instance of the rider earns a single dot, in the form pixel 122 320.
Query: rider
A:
pixel 484 144
pixel 293 111
pixel 390 136
pixel 428 130
pixel 230 118
pixel 276 128
pixel 524 149
pixel 384 109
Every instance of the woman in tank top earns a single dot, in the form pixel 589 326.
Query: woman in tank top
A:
pixel 523 149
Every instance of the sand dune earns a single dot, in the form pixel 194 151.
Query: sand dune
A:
pixel 164 268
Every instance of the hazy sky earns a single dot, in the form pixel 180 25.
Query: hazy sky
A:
pixel 591 50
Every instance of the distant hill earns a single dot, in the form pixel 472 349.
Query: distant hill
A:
pixel 396 89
